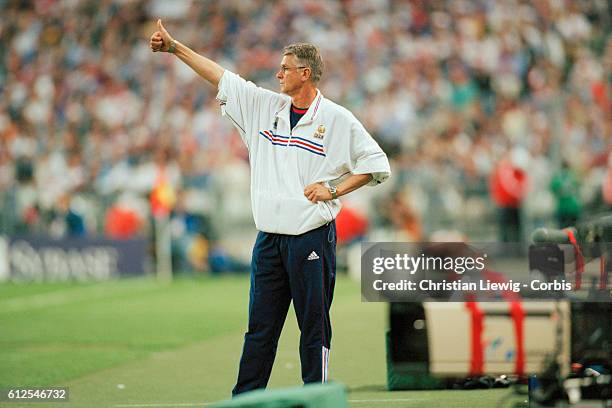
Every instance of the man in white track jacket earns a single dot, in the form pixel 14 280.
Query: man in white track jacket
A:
pixel 305 151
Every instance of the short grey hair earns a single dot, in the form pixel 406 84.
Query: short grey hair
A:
pixel 308 55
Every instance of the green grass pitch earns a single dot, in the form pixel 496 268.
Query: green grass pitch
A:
pixel 140 343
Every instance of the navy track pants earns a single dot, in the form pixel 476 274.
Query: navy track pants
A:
pixel 301 268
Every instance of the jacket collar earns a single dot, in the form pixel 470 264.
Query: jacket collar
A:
pixel 309 116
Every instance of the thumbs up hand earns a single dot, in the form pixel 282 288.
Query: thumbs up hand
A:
pixel 160 40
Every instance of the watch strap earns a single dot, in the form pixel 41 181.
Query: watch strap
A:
pixel 334 192
pixel 172 47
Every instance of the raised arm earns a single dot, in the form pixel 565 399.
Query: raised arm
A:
pixel 161 41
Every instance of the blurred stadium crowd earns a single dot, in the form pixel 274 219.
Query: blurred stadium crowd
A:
pixel 488 109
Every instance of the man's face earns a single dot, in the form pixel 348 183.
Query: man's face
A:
pixel 291 75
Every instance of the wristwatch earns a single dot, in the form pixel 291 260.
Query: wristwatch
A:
pixel 172 47
pixel 334 192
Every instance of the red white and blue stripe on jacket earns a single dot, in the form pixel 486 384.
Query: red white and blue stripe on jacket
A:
pixel 293 141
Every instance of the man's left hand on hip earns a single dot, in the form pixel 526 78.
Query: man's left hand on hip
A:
pixel 316 192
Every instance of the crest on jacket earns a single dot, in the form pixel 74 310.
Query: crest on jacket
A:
pixel 320 133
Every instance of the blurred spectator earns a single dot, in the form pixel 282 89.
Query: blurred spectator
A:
pixel 162 178
pixel 565 187
pixel 607 184
pixel 402 218
pixel 122 223
pixel 71 223
pixel 351 225
pixel 192 233
pixel 508 185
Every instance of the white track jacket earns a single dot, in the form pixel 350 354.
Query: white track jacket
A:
pixel 327 143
